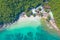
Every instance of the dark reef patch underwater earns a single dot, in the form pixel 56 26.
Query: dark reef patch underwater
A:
pixel 27 33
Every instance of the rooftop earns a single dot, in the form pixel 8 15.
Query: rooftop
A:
pixel 47 7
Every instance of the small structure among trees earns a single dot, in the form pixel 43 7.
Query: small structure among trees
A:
pixel 47 8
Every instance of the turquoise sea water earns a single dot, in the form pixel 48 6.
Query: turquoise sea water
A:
pixel 27 31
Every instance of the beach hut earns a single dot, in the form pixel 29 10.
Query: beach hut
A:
pixel 47 8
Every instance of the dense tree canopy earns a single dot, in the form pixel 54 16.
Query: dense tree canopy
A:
pixel 55 7
pixel 10 9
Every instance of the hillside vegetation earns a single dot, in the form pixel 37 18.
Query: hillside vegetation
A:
pixel 55 7
pixel 10 9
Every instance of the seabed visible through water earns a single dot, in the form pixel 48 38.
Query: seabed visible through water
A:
pixel 27 29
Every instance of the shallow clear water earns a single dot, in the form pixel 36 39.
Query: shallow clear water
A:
pixel 27 31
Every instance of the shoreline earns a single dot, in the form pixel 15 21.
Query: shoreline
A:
pixel 26 20
pixel 32 18
pixel 23 17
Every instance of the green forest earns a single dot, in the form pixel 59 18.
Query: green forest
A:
pixel 11 9
pixel 55 7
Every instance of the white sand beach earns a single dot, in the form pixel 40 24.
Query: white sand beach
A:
pixel 24 20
